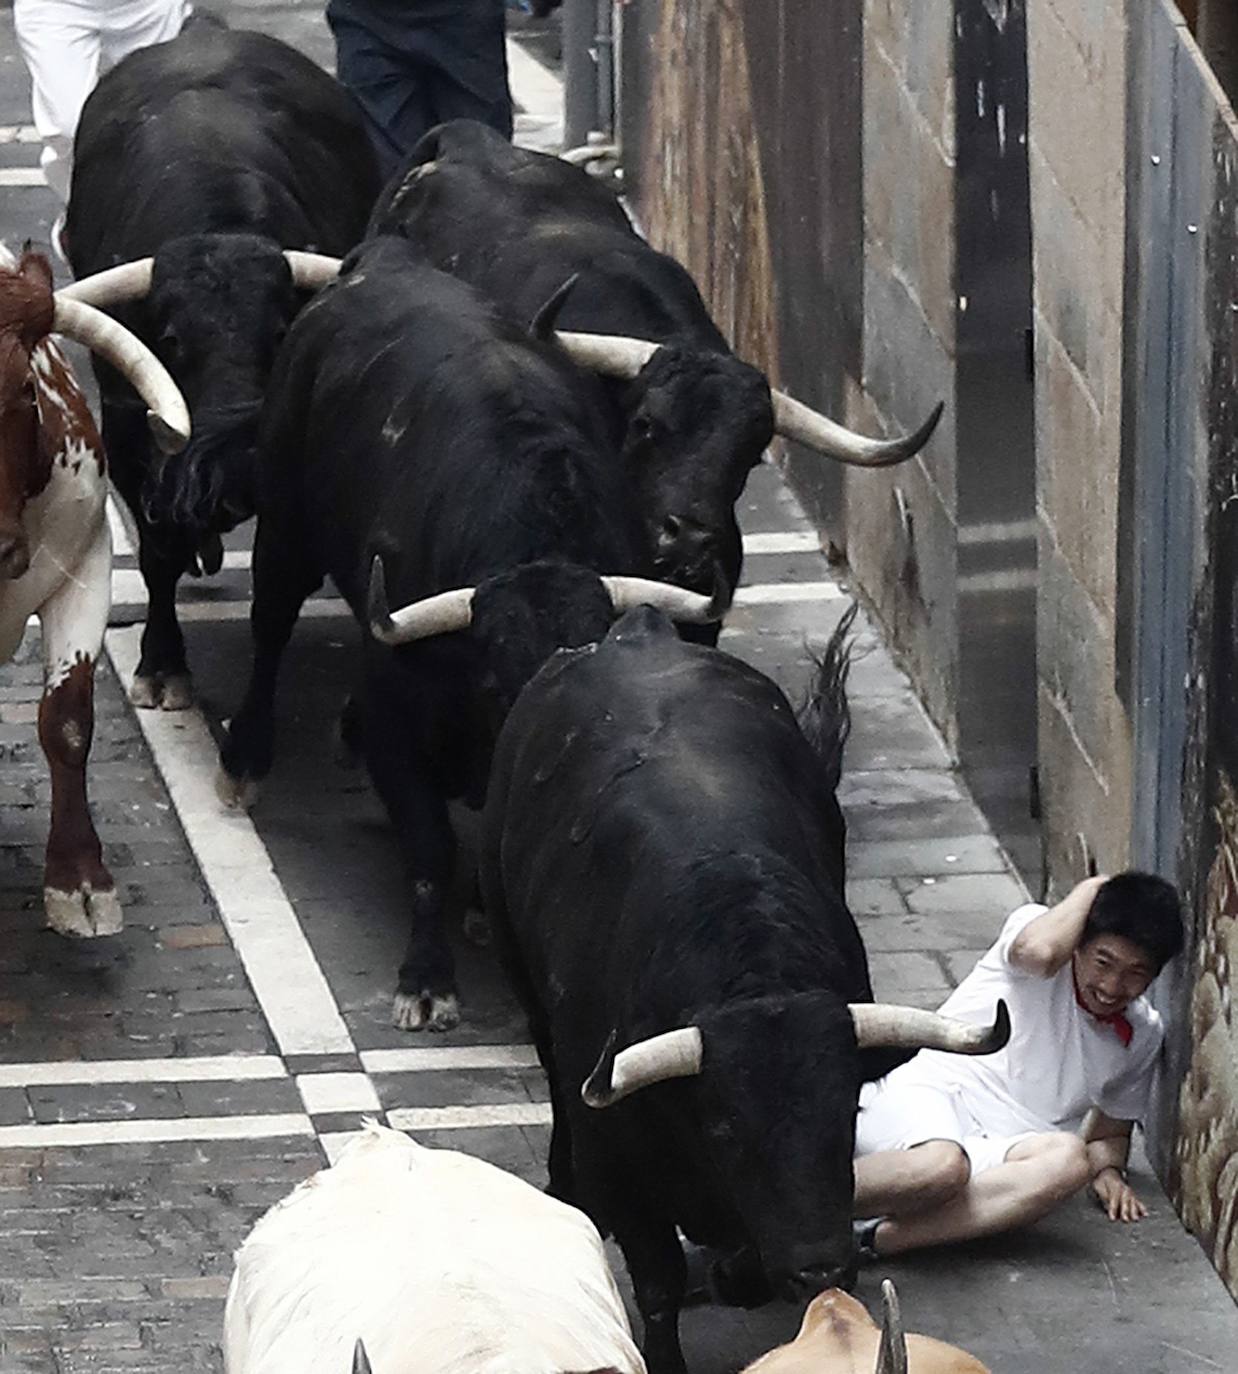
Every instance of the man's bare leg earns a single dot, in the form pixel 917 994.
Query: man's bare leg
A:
pixel 1038 1173
pixel 901 1182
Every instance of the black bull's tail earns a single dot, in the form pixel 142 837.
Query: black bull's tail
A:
pixel 824 716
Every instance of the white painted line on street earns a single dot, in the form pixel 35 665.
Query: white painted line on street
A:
pixel 787 593
pixel 122 545
pixel 129 591
pixel 153 1132
pixel 22 176
pixel 278 960
pixel 999 532
pixel 775 541
pixel 449 1057
pixel 784 541
pixel 333 1143
pixel 1006 580
pixel 337 1092
pixel 317 608
pixel 19 133
pixel 219 1068
pixel 462 1118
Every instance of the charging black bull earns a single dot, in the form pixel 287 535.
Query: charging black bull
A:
pixel 662 856
pixel 415 439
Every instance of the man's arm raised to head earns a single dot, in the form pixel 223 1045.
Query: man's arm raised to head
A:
pixel 1045 944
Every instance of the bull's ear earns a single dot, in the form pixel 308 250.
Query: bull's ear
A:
pixel 360 1360
pixel 543 323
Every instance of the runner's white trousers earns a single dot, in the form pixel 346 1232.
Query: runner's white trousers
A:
pixel 67 46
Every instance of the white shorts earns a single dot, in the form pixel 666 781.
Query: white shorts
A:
pixel 897 1115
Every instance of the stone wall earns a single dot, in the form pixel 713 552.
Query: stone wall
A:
pixel 1077 78
pixel 901 536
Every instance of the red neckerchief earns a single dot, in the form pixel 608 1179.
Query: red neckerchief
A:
pixel 1122 1028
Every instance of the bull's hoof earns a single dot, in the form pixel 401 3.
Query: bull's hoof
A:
pixel 177 692
pixel 414 1011
pixel 145 692
pixel 237 794
pixel 83 914
pixel 162 692
pixel 476 927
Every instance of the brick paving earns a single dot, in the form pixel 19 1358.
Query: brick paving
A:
pixel 115 1256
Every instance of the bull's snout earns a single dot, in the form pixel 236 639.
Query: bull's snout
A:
pixel 688 548
pixel 14 555
pixel 810 1272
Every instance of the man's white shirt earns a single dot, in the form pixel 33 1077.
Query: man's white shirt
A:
pixel 1059 1062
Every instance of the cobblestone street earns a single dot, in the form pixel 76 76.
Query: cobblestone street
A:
pixel 160 1089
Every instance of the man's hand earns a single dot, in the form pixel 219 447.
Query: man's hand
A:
pixel 1116 1197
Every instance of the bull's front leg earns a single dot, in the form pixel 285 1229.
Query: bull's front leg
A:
pixel 164 553
pixel 78 892
pixel 162 678
pixel 425 995
pixel 655 1261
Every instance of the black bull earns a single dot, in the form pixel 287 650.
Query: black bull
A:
pixel 691 421
pixel 410 424
pixel 662 858
pixel 212 153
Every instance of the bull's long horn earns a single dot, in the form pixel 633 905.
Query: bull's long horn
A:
pixel 167 413
pixel 678 602
pixel 794 420
pixel 432 615
pixel 131 280
pixel 613 355
pixel 113 286
pixel 311 270
pixel 892 1353
pixel 674 1054
pixel 879 1025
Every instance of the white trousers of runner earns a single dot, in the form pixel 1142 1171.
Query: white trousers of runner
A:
pixel 67 45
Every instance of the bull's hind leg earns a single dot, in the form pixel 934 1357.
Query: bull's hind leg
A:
pixel 78 892
pixel 283 578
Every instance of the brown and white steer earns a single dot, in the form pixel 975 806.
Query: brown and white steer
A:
pixel 837 1336
pixel 56 550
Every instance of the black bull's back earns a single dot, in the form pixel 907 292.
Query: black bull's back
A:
pixel 517 224
pixel 408 418
pixel 219 130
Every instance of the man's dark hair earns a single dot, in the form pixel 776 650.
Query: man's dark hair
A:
pixel 1143 908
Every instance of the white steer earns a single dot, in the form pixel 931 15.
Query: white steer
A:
pixel 56 552
pixel 435 1262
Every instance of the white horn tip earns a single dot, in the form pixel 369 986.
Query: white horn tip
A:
pixel 170 436
pixel 378 612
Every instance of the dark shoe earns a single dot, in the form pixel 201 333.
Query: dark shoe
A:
pixel 864 1230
